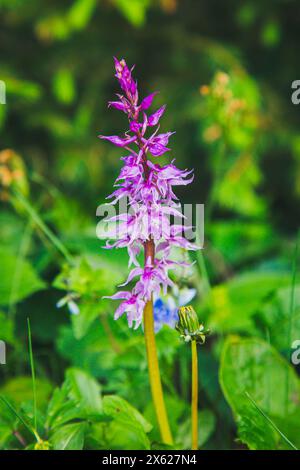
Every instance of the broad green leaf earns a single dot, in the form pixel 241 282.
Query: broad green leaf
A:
pixel 236 302
pixel 282 324
pixel 119 408
pixel 63 407
pixel 18 279
pixel 69 437
pixel 84 390
pixel 89 311
pixel 251 366
pixel 125 417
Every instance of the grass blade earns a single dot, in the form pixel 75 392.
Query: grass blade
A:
pixel 20 418
pixel 32 374
pixel 286 439
pixel 40 223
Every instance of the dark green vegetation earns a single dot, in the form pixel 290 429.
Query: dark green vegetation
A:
pixel 225 69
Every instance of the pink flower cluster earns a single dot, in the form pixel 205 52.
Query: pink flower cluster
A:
pixel 148 187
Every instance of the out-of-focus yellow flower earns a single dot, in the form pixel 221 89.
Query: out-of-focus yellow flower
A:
pixel 12 173
pixel 212 133
pixel 169 6
pixel 222 78
pixel 204 90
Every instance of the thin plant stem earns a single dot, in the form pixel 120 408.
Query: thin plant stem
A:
pixel 194 396
pixel 40 223
pixel 269 420
pixel 154 375
pixel 21 419
pixel 32 374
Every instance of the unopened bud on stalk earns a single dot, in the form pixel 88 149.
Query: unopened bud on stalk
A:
pixel 42 445
pixel 189 327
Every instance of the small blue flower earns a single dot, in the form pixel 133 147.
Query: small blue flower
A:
pixel 165 309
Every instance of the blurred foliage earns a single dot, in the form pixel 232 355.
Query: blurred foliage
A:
pixel 225 71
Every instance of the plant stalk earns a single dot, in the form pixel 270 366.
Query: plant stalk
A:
pixel 154 375
pixel 194 396
pixel 153 365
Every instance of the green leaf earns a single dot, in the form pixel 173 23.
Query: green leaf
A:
pixel 62 409
pixel 89 311
pixel 119 408
pixel 13 272
pixel 125 417
pixel 281 323
pixel 69 437
pixel 84 390
pixel 253 367
pixel 236 302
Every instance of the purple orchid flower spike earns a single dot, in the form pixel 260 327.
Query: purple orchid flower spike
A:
pixel 148 186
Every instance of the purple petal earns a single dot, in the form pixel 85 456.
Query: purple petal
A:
pixel 117 105
pixel 135 126
pixel 123 294
pixel 135 272
pixel 155 117
pixel 158 149
pixel 146 102
pixel 116 140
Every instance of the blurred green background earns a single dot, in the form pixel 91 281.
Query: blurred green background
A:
pixel 225 71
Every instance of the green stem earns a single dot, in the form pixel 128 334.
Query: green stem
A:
pixel 194 396
pixel 270 421
pixel 32 374
pixel 39 222
pixel 154 375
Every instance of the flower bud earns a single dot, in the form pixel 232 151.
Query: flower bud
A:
pixel 189 327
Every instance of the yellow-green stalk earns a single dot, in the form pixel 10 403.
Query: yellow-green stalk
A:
pixel 153 365
pixel 192 331
pixel 194 396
